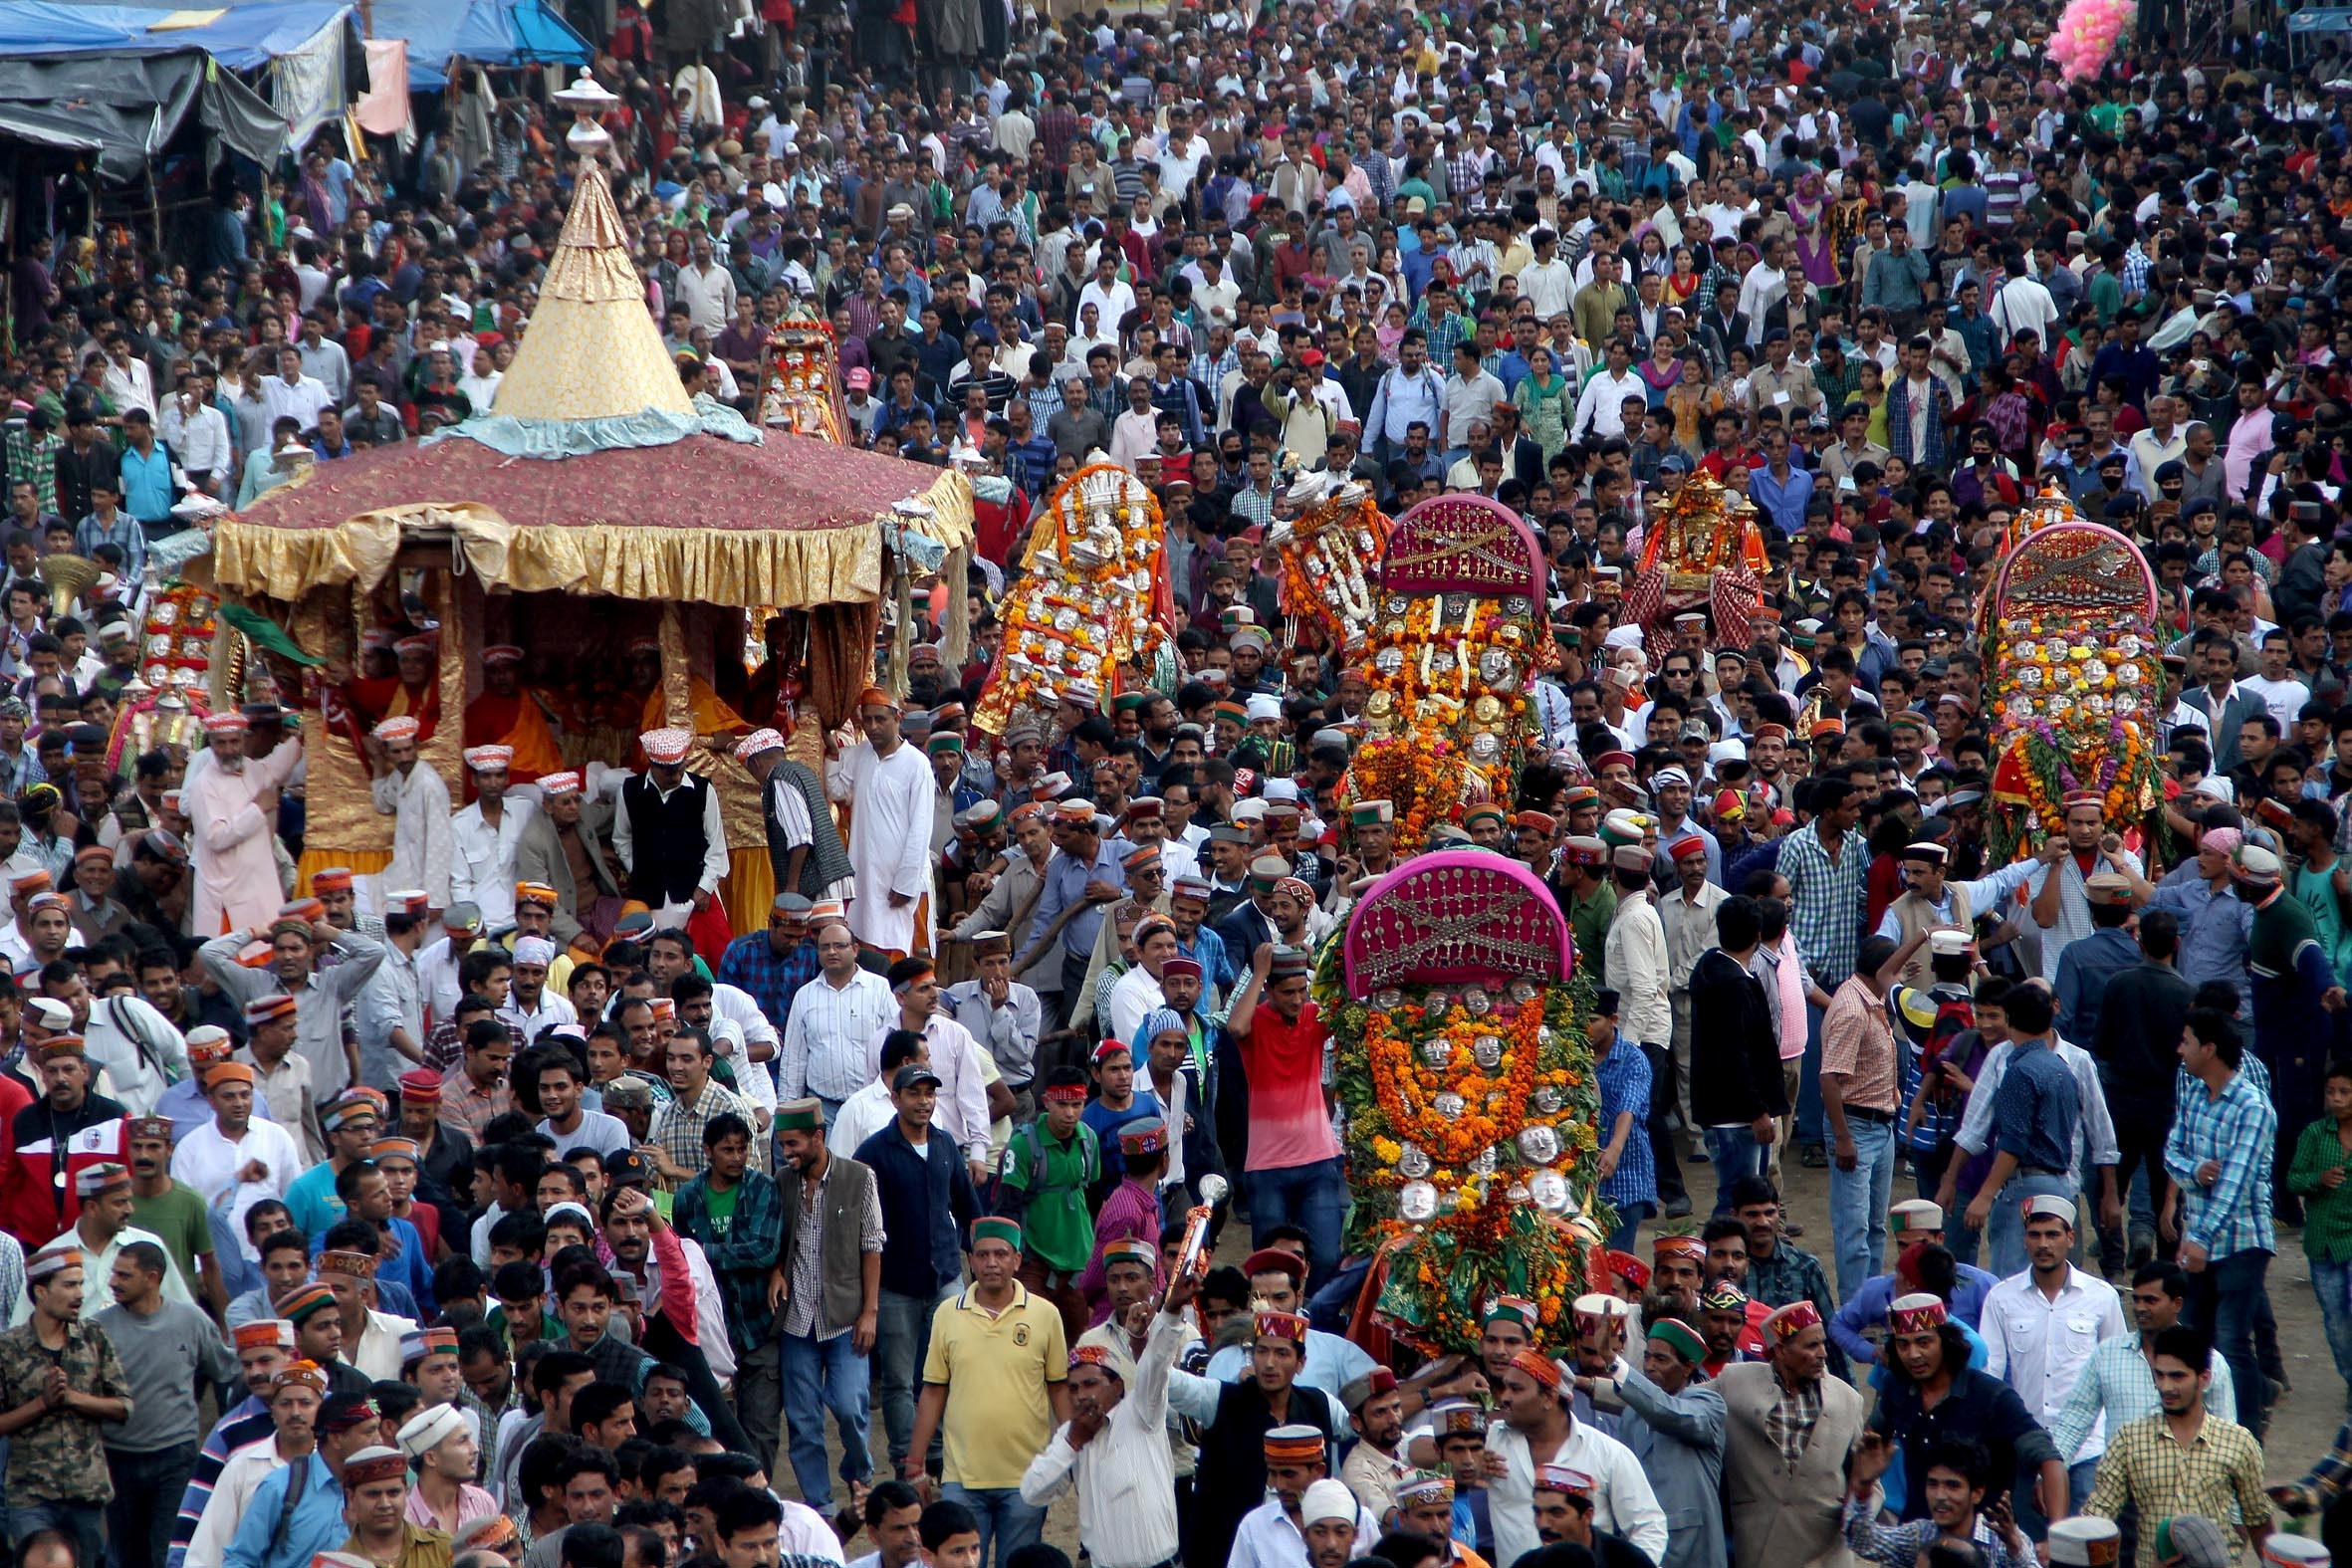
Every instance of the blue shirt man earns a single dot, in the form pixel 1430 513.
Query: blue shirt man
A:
pixel 1083 859
pixel 277 1533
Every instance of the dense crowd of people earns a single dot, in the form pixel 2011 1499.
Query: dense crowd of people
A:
pixel 485 1210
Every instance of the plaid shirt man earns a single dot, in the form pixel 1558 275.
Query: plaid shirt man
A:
pixel 751 963
pixel 2234 1129
pixel 34 458
pixel 1793 1415
pixel 742 1251
pixel 2145 1468
pixel 677 1126
pixel 1902 1545
pixel 1825 900
pixel 1443 334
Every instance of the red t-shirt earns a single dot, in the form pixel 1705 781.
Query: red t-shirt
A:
pixel 1289 1124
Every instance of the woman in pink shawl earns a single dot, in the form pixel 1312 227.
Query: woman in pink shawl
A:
pixel 1808 209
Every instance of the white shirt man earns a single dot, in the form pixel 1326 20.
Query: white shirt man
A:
pixel 1125 1475
pixel 416 798
pixel 481 853
pixel 1600 410
pixel 2039 1341
pixel 955 1055
pixel 212 1161
pixel 137 1045
pixel 1622 1500
pixel 824 1040
pixel 889 832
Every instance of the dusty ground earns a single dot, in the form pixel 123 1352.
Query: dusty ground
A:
pixel 2302 1427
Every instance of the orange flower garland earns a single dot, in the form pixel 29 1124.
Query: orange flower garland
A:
pixel 1400 1078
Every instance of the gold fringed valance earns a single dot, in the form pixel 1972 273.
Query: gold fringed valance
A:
pixel 795 568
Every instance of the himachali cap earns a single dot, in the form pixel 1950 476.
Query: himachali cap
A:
pixel 1539 1366
pixel 995 1228
pixel 1371 813
pixel 1679 1246
pixel 1143 858
pixel 1147 1135
pixel 420 1086
pixel 1793 1319
pixel 1560 1478
pixel 1293 1444
pixel 95 1181
pixel 351 1265
pixel 1595 1307
pixel 413 902
pixel 1585 850
pixel 1629 1269
pixel 301 1374
pixel 1632 857
pixel 482 759
pixel 1684 1340
pixel 419 1343
pixel 1134 1249
pixel 1329 1500
pixel 2074 798
pixel 1724 1296
pixel 150 1127
pixel 1932 854
pixel 2290 1552
pixel 229 723
pixel 350 1108
pixel 2043 1206
pixel 268 1010
pixel 396 1149
pixel 555 785
pixel 402 728
pixel 803 1115
pixel 1536 821
pixel 304 1300
pixel 1513 1309
pixel 1949 944
pixel 2085 1541
pixel 1916 1313
pixel 332 879
pixel 502 653
pixel 1288 1326
pixel 1688 844
pixel 2194 1541
pixel 263 1333
pixel 1096 1356
pixel 375 1463
pixel 221 1072
pixel 1486 813
pixel 977 818
pixel 536 893
pixel 1622 826
pixel 2253 863
pixel 50 1262
pixel 666 748
pixel 1183 967
pixel 1373 1384
pixel 1915 1217
pixel 427 1430
pixel 1453 1415
pixel 2107 887
pixel 493 1532
pixel 1424 1487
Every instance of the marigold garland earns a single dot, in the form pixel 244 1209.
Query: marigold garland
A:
pixel 1487 1238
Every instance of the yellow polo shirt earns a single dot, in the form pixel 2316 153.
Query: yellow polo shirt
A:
pixel 996 1368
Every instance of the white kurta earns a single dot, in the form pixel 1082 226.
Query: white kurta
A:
pixel 237 884
pixel 890 839
pixel 419 804
pixel 118 1026
pixel 209 1162
pixel 482 859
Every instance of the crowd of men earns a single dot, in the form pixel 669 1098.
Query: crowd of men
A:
pixel 485 1210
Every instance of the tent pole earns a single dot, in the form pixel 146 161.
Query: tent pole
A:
pixel 154 205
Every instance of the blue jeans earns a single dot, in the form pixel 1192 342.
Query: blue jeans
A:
pixel 2225 1298
pixel 1734 1153
pixel 902 1338
pixel 1312 1197
pixel 1808 1085
pixel 2005 1231
pixel 2332 1284
pixel 1629 1219
pixel 1858 1202
pixel 1004 1518
pixel 821 1375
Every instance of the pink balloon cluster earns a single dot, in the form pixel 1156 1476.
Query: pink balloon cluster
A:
pixel 2088 34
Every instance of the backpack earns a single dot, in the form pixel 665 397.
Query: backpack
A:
pixel 1090 1159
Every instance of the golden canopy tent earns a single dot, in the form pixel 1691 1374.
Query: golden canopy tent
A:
pixel 595 506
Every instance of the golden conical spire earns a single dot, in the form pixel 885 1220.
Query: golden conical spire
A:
pixel 593 350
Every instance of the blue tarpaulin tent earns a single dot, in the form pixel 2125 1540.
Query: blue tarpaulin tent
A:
pixel 242 38
pixel 487 32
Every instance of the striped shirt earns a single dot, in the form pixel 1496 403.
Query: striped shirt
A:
pixel 1825 900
